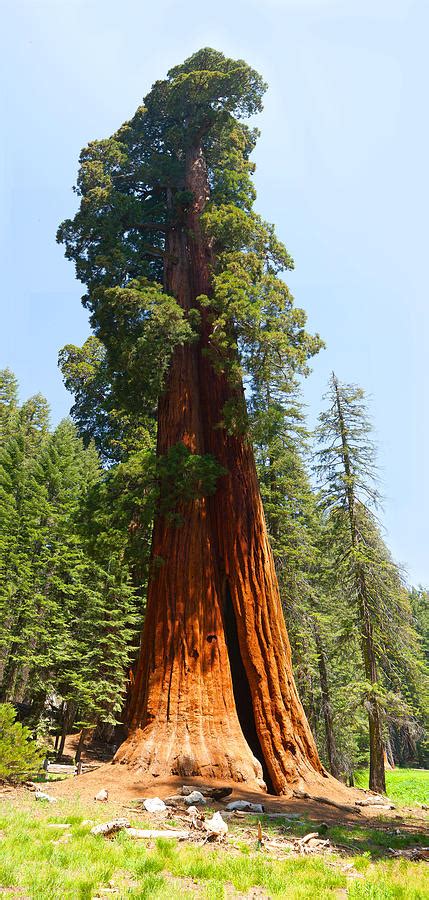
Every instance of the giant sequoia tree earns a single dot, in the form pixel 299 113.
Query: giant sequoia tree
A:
pixel 185 297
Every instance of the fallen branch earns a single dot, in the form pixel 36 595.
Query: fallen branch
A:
pixel 146 834
pixel 412 853
pixel 116 825
pixel 302 795
pixel 376 800
pixel 110 827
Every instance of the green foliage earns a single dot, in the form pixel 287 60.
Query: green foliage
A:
pixel 20 756
pixel 185 476
pixel 68 615
pixel 315 565
pixel 132 197
pixel 405 787
pixel 372 608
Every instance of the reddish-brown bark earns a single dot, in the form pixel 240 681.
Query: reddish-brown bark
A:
pixel 214 630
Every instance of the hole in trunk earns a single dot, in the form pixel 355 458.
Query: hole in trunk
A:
pixel 240 684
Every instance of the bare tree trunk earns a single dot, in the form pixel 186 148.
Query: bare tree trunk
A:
pixel 326 705
pixel 81 743
pixel 68 717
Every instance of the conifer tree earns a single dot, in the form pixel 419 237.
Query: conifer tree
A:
pixel 347 471
pixel 183 288
pixel 68 611
pixel 8 402
pixel 371 583
pixel 21 496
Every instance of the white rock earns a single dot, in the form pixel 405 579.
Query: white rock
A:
pixel 154 805
pixel 245 806
pixel 40 795
pixel 192 811
pixel 216 825
pixel 194 797
pixel 102 795
pixel 187 789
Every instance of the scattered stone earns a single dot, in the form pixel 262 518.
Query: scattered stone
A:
pixel 244 806
pixel 196 817
pixel 216 827
pixel 174 800
pixel 154 805
pixel 102 796
pixel 40 795
pixel 195 797
pixel 193 811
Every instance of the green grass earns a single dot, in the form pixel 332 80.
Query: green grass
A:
pixel 404 786
pixel 48 864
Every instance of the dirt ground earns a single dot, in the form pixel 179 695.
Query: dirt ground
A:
pixel 125 785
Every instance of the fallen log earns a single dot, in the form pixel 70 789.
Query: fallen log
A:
pixel 412 853
pixel 151 834
pixel 309 837
pixel 116 825
pixel 110 827
pixel 302 795
pixel 59 769
pixel 244 806
pixel 376 800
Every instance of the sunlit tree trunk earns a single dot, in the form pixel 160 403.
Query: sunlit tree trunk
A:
pixel 214 692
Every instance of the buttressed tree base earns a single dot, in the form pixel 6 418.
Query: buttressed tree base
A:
pixel 183 286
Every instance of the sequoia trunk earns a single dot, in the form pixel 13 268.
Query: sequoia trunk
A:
pixel 214 693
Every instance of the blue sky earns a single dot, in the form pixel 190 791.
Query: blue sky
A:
pixel 342 172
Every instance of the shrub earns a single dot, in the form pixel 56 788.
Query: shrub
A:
pixel 19 754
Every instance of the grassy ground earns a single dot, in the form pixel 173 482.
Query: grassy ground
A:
pixel 405 787
pixel 37 861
